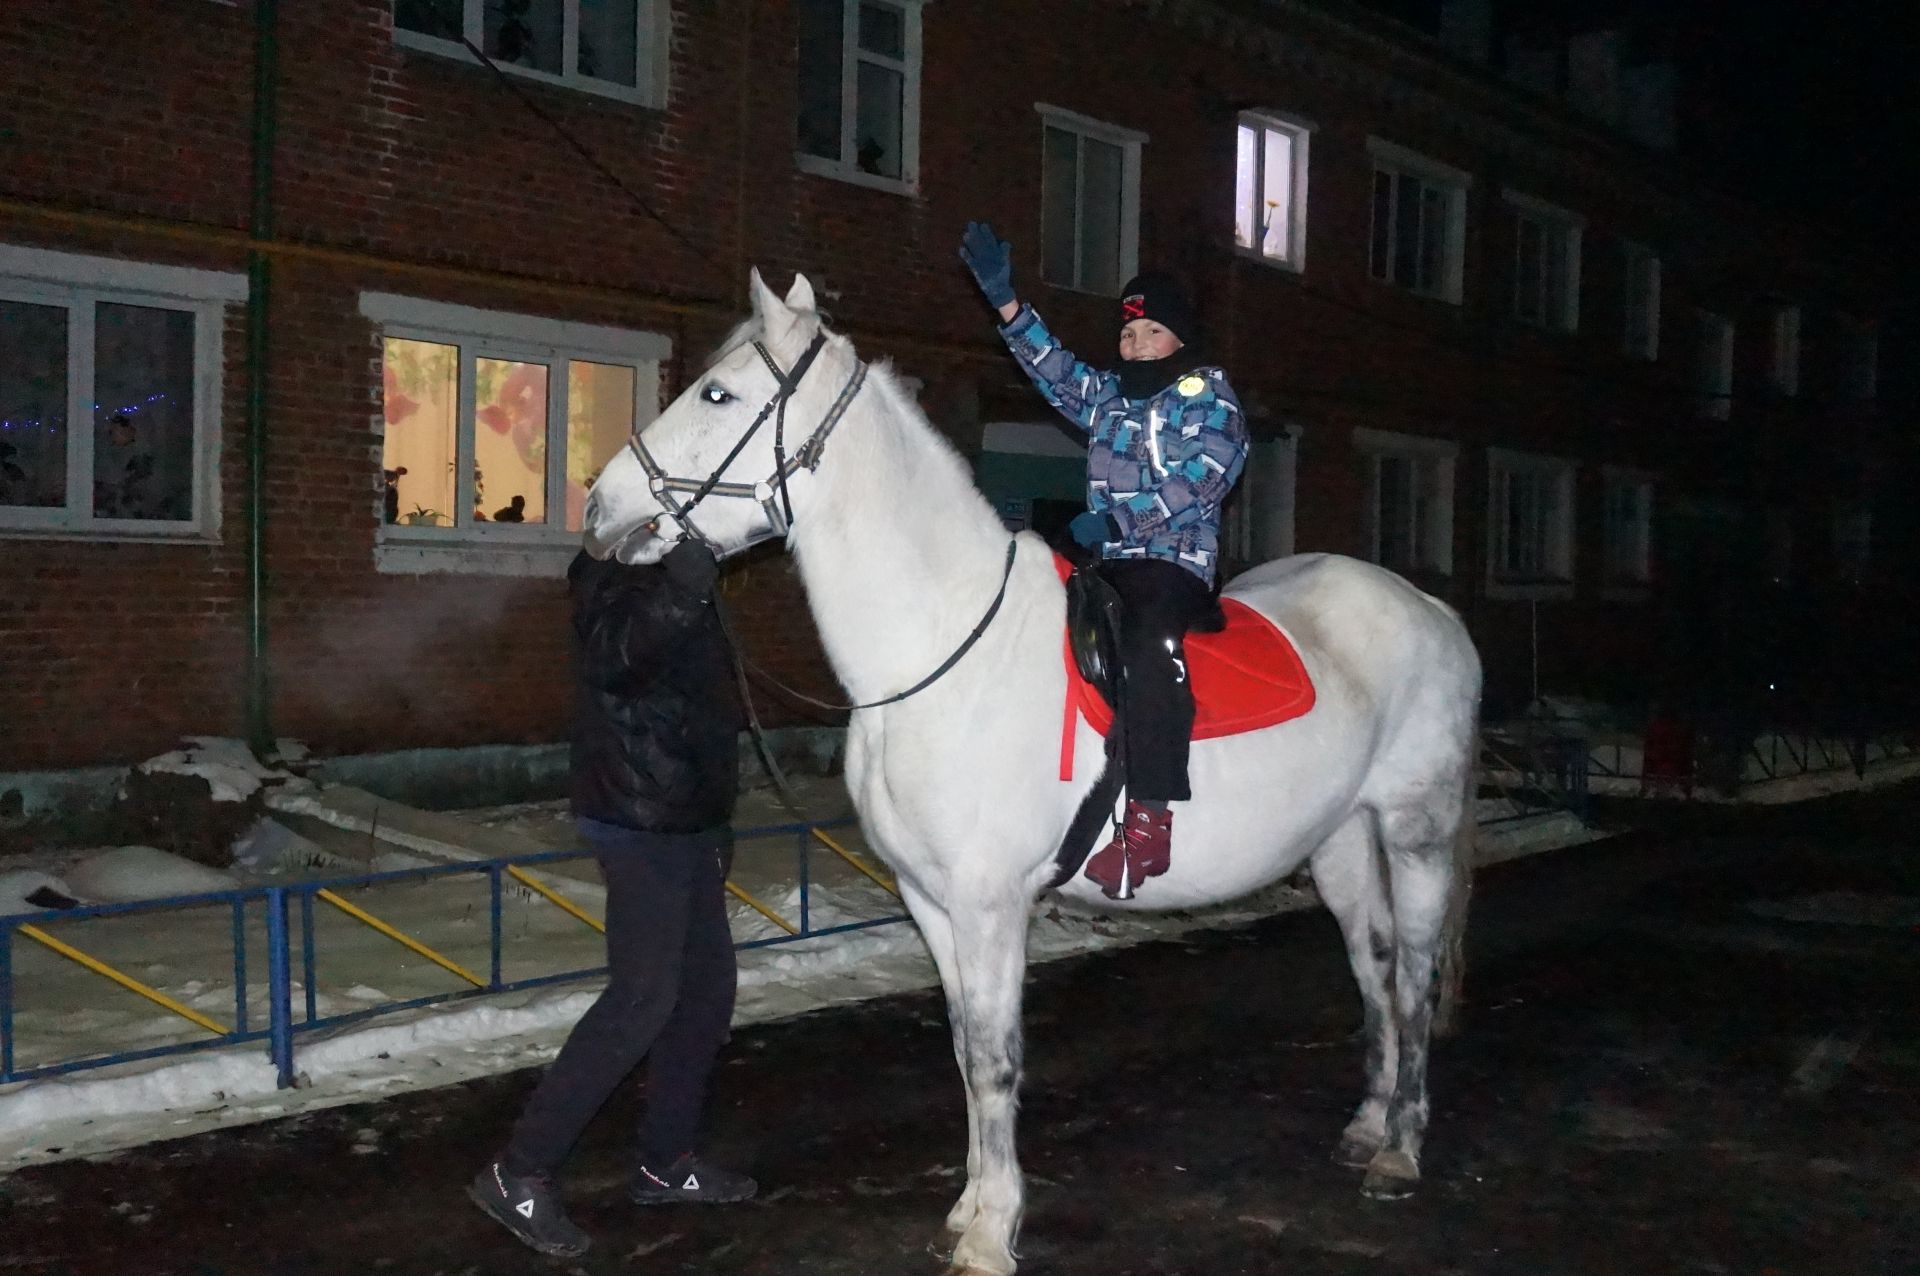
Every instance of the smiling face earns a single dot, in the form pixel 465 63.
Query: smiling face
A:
pixel 1145 339
pixel 625 519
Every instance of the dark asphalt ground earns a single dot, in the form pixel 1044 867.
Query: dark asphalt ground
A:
pixel 1653 1078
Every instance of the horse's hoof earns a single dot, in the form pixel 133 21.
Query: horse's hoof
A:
pixel 1391 1176
pixel 1355 1153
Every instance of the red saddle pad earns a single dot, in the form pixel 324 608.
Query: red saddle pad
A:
pixel 1245 677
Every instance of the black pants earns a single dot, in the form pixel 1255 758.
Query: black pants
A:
pixel 669 999
pixel 1158 601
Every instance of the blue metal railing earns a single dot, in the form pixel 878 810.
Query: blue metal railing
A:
pixel 283 946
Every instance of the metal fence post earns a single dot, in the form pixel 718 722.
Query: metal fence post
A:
pixel 6 1003
pixel 806 848
pixel 493 882
pixel 279 988
pixel 240 963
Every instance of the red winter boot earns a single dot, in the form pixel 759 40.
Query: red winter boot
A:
pixel 1141 848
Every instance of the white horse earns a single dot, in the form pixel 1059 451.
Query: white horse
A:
pixel 958 785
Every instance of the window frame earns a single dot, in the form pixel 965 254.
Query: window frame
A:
pixel 1783 353
pixel 1640 340
pixel 1562 471
pixel 490 548
pixel 847 167
pixel 1421 451
pixel 1129 141
pixel 1860 360
pixel 1714 366
pixel 652 34
pixel 75 282
pixel 1402 164
pixel 1301 132
pixel 1568 227
pixel 1631 586
pixel 1274 463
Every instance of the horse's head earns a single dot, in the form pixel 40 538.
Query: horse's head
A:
pixel 706 467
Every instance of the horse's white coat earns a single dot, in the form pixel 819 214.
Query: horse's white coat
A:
pixel 958 786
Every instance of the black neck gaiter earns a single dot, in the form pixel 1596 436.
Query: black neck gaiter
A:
pixel 1144 378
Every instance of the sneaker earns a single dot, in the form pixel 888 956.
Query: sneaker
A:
pixel 1141 848
pixel 528 1206
pixel 690 1181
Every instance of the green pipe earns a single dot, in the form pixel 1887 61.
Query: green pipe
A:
pixel 259 690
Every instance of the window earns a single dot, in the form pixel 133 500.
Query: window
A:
pixel 1270 189
pixel 1546 264
pixel 1409 508
pixel 1627 533
pixel 1783 365
pixel 1529 525
pixel 1852 543
pixel 1640 304
pixel 1258 525
pixel 1419 222
pixel 110 375
pixel 1713 368
pixel 494 427
pixel 1089 202
pixel 1859 360
pixel 859 90
pixel 612 47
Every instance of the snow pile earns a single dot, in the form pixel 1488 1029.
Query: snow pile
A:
pixel 27 890
pixel 228 766
pixel 122 874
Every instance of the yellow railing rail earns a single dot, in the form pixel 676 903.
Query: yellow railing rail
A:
pixel 762 909
pixel 405 940
pixel 886 885
pixel 566 905
pixel 128 982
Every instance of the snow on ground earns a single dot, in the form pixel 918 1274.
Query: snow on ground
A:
pixel 64 1012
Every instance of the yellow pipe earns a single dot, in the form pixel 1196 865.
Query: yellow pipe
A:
pixel 856 861
pixel 764 911
pixel 131 984
pixel 566 904
pixel 408 941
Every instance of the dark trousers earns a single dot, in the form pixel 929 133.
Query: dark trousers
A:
pixel 669 998
pixel 1158 601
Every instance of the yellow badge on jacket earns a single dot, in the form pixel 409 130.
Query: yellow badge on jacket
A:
pixel 1191 384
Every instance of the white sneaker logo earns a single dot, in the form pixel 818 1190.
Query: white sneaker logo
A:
pixel 691 1185
pixel 524 1208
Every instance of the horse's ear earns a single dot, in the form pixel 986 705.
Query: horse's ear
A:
pixel 800 296
pixel 766 302
pixel 777 318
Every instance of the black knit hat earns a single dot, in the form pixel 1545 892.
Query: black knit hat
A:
pixel 1156 295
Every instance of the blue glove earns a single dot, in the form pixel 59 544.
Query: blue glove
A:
pixel 1093 529
pixel 990 258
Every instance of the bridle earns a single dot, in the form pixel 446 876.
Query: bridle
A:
pixel 665 488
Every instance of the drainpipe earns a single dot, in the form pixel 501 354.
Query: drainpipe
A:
pixel 259 277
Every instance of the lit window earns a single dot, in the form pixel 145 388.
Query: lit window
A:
pixel 110 377
pixel 1640 304
pixel 1270 189
pixel 1409 506
pixel 1089 202
pixel 1627 535
pixel 496 425
pixel 1529 525
pixel 1713 366
pixel 859 90
pixel 1546 264
pixel 615 48
pixel 1419 222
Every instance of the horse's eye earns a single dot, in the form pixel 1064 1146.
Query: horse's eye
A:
pixel 712 393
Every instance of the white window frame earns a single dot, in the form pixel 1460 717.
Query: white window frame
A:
pixel 1783 362
pixel 1269 483
pixel 1631 584
pixel 1129 141
pixel 1300 132
pixel 1433 461
pixel 504 549
pixel 1640 325
pixel 1401 163
pixel 1557 582
pixel 1713 364
pixel 653 24
pixel 1568 227
pixel 78 283
pixel 847 167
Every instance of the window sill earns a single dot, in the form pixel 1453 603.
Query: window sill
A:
pixel 150 534
pixel 1529 591
pixel 1286 265
pixel 451 553
pixel 454 51
pixel 839 172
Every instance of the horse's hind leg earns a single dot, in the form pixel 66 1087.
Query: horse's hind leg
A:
pixel 1417 837
pixel 1349 875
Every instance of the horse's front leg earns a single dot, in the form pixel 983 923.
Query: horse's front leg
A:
pixel 937 929
pixel 990 944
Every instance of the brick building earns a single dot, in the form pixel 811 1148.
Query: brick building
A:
pixel 358 323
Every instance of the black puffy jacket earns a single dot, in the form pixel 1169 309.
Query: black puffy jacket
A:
pixel 656 715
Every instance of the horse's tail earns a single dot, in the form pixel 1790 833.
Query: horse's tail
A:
pixel 1450 958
